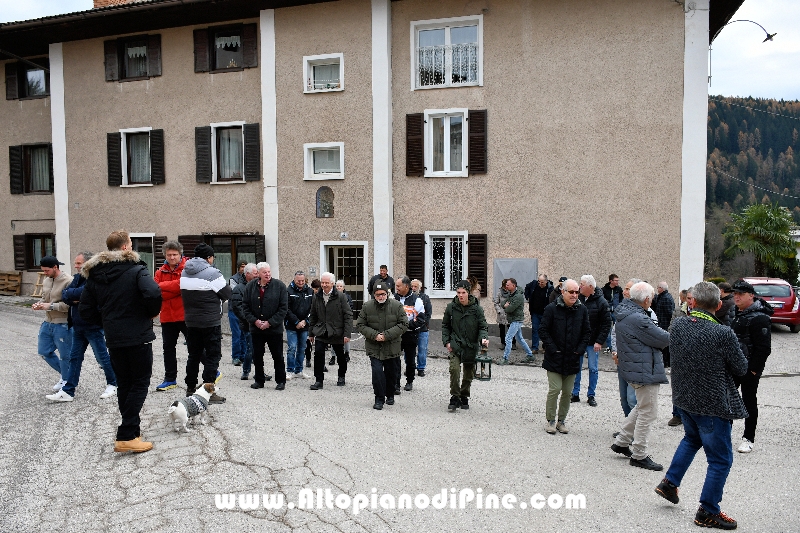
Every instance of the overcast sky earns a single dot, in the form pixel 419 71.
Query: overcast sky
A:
pixel 741 65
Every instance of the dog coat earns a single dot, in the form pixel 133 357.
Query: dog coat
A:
pixel 194 405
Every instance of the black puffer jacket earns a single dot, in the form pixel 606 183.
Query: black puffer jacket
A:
pixel 299 306
pixel 121 296
pixel 753 328
pixel 599 316
pixel 565 334
pixel 330 322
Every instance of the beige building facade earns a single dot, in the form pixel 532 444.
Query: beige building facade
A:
pixel 434 137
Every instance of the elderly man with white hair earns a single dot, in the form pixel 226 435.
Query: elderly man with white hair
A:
pixel 330 323
pixel 639 345
pixel 600 324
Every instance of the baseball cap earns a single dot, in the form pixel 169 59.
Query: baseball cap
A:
pixel 743 286
pixel 49 261
pixel 381 287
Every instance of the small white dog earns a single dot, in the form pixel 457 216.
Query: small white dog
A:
pixel 191 407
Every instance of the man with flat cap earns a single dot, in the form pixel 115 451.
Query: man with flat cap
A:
pixel 54 333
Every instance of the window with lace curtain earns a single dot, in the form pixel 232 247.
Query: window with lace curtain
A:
pixel 323 73
pixel 136 160
pixel 133 58
pixel 447 52
pixel 227 48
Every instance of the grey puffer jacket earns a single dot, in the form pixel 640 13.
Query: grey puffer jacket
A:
pixel 639 345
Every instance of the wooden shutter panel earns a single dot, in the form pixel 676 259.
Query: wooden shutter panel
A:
pixel 114 148
pixel 202 154
pixel 252 152
pixel 261 248
pixel 50 166
pixel 477 159
pixel 415 144
pixel 154 55
pixel 158 251
pixel 250 45
pixel 415 256
pixel 12 83
pixel 157 157
pixel 201 55
pixel 112 60
pixel 478 260
pixel 189 243
pixel 15 169
pixel 20 262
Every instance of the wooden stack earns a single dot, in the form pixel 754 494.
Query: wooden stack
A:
pixel 39 287
pixel 10 283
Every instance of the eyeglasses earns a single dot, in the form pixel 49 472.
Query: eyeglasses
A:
pixel 573 292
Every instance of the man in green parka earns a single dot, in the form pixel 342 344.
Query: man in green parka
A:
pixel 464 329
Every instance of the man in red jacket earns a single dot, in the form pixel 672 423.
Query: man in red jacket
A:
pixel 168 278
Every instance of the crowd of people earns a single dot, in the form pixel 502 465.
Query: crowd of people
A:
pixel 715 343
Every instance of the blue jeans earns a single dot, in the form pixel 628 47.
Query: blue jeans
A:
pixel 713 434
pixel 81 339
pixel 627 395
pixel 515 330
pixel 247 362
pixel 295 350
pixel 422 349
pixel 593 358
pixel 536 321
pixel 237 348
pixel 54 337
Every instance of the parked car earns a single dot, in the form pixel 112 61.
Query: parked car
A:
pixel 783 298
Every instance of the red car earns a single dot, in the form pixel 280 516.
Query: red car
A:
pixel 782 297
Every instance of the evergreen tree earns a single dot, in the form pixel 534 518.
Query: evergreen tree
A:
pixel 762 229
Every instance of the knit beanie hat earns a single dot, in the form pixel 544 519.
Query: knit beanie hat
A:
pixel 203 251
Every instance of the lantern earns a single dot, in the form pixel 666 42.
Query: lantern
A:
pixel 483 365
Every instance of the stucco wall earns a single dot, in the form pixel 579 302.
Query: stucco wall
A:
pixel 346 116
pixel 23 122
pixel 584 103
pixel 177 102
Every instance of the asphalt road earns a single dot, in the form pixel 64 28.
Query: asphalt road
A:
pixel 58 471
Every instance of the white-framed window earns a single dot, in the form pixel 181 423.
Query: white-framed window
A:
pixel 227 152
pixel 445 262
pixel 446 143
pixel 323 73
pixel 447 52
pixel 324 161
pixel 143 245
pixel 135 157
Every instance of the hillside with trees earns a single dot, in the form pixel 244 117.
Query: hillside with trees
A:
pixel 752 159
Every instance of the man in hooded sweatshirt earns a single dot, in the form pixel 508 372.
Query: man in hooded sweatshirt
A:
pixel 122 297
pixel 464 331
pixel 203 289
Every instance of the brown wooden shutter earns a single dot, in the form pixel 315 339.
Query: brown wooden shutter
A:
pixel 114 148
pixel 477 158
pixel 252 152
pixel 112 60
pixel 261 248
pixel 20 257
pixel 50 166
pixel 158 251
pixel 201 52
pixel 250 45
pixel 15 169
pixel 478 259
pixel 12 83
pixel 415 256
pixel 157 157
pixel 154 55
pixel 415 144
pixel 202 154
pixel 189 243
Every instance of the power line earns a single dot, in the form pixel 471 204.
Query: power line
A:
pixel 754 109
pixel 754 186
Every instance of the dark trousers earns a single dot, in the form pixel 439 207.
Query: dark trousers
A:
pixel 205 345
pixel 274 341
pixel 410 355
pixel 133 366
pixel 665 354
pixel 319 359
pixel 383 375
pixel 169 337
pixel 749 385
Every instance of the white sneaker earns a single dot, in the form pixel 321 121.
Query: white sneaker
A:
pixel 60 396
pixel 745 447
pixel 289 376
pixel 300 375
pixel 111 390
pixel 57 386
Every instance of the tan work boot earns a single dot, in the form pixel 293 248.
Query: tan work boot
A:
pixel 136 445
